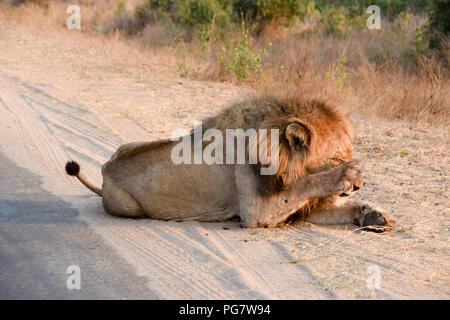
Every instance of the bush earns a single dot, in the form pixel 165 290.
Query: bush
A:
pixel 198 13
pixel 411 54
pixel 193 14
pixel 334 20
pixel 439 22
pixel 262 12
pixel 238 58
pixel 389 8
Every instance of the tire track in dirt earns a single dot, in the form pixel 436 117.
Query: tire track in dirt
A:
pixel 53 133
pixel 166 264
pixel 240 263
pixel 34 135
pixel 200 249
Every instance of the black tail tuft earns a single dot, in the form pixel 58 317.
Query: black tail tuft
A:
pixel 72 168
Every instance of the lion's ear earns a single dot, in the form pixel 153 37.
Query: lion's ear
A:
pixel 299 137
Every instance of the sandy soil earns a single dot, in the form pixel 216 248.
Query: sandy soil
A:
pixel 65 95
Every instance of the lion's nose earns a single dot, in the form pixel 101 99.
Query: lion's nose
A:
pixel 355 188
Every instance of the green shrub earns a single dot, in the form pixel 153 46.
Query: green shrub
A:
pixel 389 8
pixel 193 14
pixel 198 13
pixel 262 12
pixel 335 20
pixel 411 54
pixel 339 74
pixel 239 60
pixel 439 22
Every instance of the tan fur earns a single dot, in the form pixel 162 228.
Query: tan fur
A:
pixel 315 165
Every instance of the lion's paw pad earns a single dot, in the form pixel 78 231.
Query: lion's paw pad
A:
pixel 374 220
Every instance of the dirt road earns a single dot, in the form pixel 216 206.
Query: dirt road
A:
pixel 65 95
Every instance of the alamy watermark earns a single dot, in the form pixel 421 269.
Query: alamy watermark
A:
pixel 74 280
pixel 73 22
pixel 262 147
pixel 374 20
pixel 373 282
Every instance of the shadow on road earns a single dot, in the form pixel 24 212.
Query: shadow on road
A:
pixel 41 236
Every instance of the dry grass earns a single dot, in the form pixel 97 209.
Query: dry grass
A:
pixel 341 70
pixel 300 58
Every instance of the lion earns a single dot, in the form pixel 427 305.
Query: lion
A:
pixel 316 172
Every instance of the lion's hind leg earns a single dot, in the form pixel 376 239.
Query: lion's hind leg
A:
pixel 118 202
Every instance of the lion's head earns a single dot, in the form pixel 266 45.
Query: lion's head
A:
pixel 313 135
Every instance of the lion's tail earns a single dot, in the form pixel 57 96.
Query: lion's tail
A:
pixel 73 169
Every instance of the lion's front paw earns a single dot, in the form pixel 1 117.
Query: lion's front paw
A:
pixel 350 178
pixel 374 219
